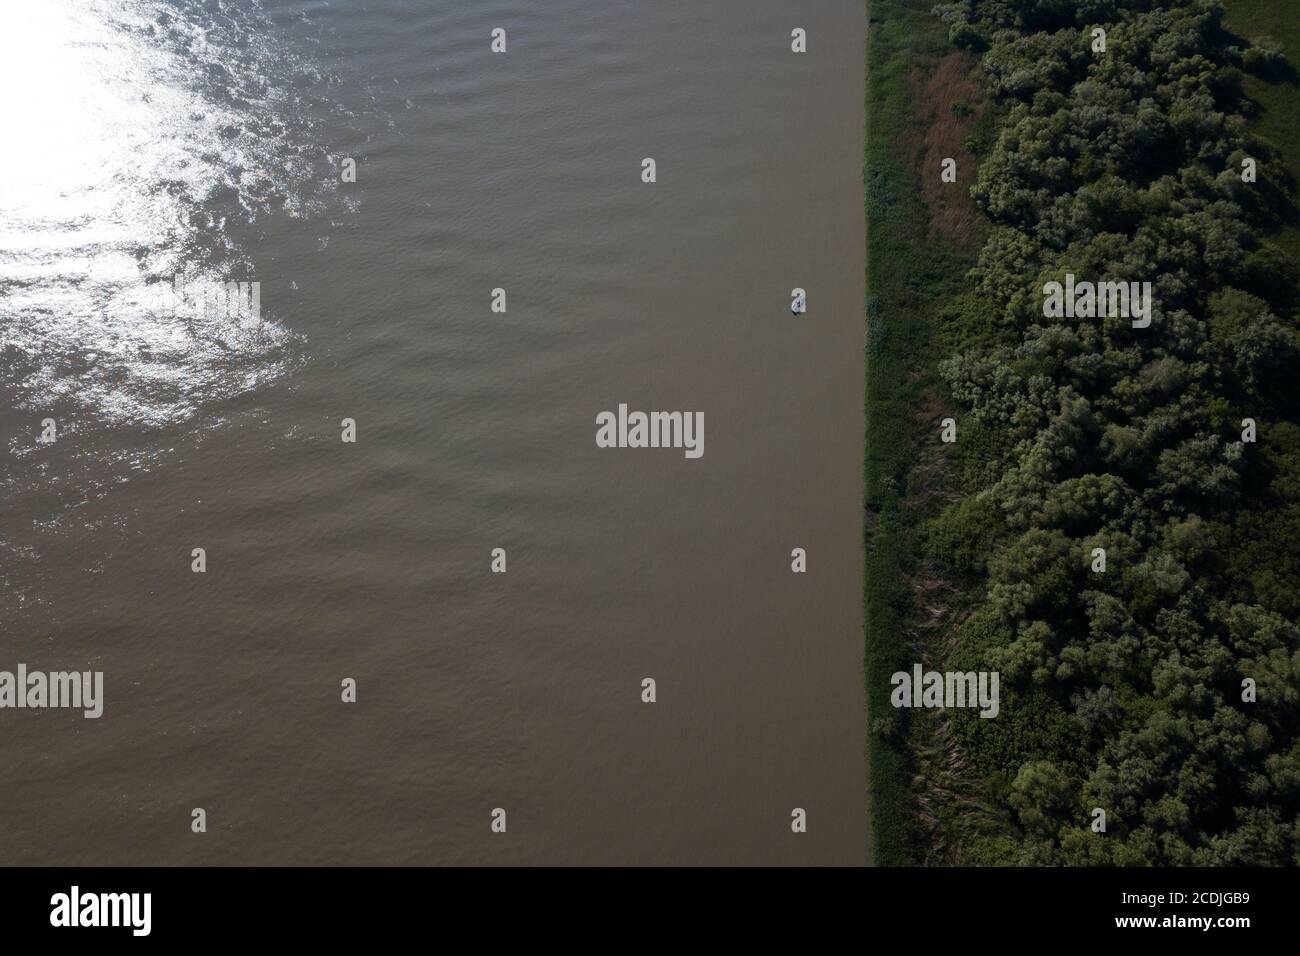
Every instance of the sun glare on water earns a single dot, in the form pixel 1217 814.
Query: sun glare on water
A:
pixel 132 137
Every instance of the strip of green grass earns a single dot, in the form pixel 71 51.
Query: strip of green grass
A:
pixel 1279 97
pixel 908 275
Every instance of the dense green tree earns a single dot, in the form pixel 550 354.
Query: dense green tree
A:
pixel 1124 689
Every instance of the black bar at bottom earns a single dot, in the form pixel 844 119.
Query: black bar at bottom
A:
pixel 334 906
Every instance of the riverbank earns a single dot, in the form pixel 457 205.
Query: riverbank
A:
pixel 922 106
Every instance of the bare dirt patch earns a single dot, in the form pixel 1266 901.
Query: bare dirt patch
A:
pixel 949 100
pixel 944 789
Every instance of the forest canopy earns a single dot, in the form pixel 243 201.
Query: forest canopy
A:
pixel 1164 690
